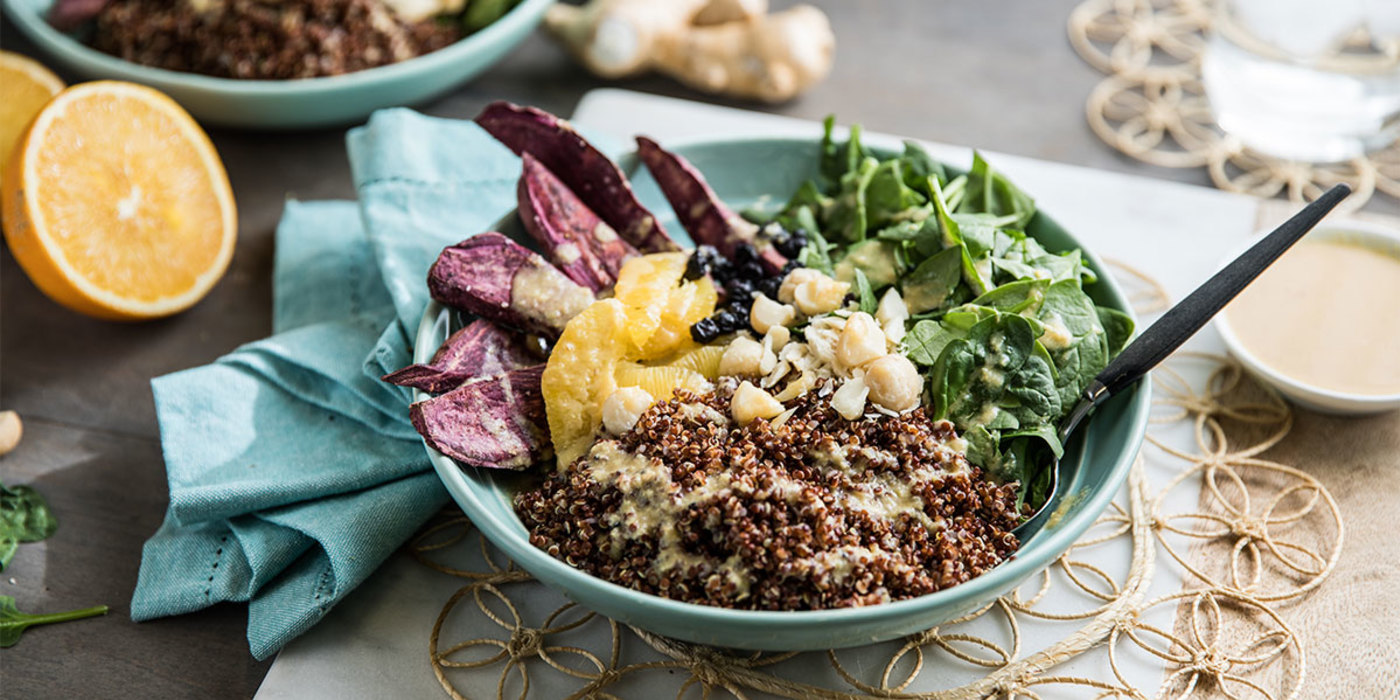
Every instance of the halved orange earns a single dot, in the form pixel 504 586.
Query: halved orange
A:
pixel 27 87
pixel 116 204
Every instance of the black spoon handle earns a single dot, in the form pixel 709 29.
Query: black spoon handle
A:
pixel 1182 321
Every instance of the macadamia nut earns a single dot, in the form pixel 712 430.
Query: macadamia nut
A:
pixel 742 358
pixel 862 340
pixel 894 382
pixel 767 313
pixel 624 407
pixel 892 313
pixel 813 292
pixel 849 400
pixel 751 403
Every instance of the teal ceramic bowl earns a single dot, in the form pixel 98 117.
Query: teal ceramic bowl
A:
pixel 288 104
pixel 743 171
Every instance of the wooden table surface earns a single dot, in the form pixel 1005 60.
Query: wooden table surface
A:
pixel 1000 76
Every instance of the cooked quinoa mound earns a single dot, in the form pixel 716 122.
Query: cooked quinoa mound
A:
pixel 264 39
pixel 817 512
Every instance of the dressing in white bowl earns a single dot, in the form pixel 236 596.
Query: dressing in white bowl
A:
pixel 1322 324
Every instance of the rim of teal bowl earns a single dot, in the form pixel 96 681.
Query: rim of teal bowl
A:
pixel 1043 549
pixel 31 22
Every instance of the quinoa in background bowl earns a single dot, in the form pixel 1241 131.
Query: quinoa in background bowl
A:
pixel 334 100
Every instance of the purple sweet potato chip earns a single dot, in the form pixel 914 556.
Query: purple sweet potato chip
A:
pixel 496 422
pixel 498 279
pixel 580 244
pixel 590 174
pixel 481 349
pixel 699 209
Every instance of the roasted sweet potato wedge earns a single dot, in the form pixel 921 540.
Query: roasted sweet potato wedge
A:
pixel 497 422
pixel 590 174
pixel 498 279
pixel 580 244
pixel 480 349
pixel 708 220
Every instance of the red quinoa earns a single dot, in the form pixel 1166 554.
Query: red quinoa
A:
pixel 767 537
pixel 264 40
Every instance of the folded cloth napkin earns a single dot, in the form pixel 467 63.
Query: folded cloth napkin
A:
pixel 293 471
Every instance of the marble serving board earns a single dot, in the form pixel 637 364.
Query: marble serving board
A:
pixel 375 643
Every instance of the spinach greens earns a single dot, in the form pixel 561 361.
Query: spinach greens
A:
pixel 24 517
pixel 1003 329
pixel 13 622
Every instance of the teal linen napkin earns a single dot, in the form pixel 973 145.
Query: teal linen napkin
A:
pixel 293 471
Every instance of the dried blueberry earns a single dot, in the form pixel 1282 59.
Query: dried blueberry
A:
pixel 744 254
pixel 791 243
pixel 701 262
pixel 705 330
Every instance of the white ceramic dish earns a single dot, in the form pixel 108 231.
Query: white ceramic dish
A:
pixel 1383 239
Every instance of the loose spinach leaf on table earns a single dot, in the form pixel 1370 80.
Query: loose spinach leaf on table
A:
pixel 24 517
pixel 13 622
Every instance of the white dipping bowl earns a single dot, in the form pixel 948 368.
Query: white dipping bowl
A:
pixel 1382 239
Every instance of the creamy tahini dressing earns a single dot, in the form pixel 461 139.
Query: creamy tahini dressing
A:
pixel 1328 315
pixel 543 294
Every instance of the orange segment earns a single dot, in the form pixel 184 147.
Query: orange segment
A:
pixel 703 359
pixel 25 87
pixel 579 376
pixel 649 317
pixel 660 382
pixel 117 205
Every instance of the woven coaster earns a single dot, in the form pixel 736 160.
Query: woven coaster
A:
pixel 1153 106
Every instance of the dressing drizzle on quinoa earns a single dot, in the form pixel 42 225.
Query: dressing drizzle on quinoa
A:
pixel 818 512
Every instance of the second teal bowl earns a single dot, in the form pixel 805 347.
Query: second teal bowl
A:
pixel 289 104
pixel 743 172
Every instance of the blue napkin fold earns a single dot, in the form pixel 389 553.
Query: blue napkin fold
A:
pixel 293 471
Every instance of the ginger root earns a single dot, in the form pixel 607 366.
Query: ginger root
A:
pixel 730 47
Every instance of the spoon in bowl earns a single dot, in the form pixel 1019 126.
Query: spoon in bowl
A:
pixel 1175 327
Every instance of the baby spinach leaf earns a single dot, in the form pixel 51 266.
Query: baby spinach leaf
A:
pixel 921 166
pixel 838 161
pixel 874 257
pixel 809 196
pixel 1022 296
pixel 24 517
pixel 950 376
pixel 1032 384
pixel 984 450
pixel 926 339
pixel 817 253
pixel 847 220
pixel 990 192
pixel 1074 336
pixel 1118 327
pixel 994 377
pixel 13 622
pixel 868 302
pixel 887 198
pixel 1047 434
pixel 931 284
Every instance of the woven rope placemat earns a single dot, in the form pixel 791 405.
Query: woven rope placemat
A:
pixel 1264 534
pixel 1154 108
